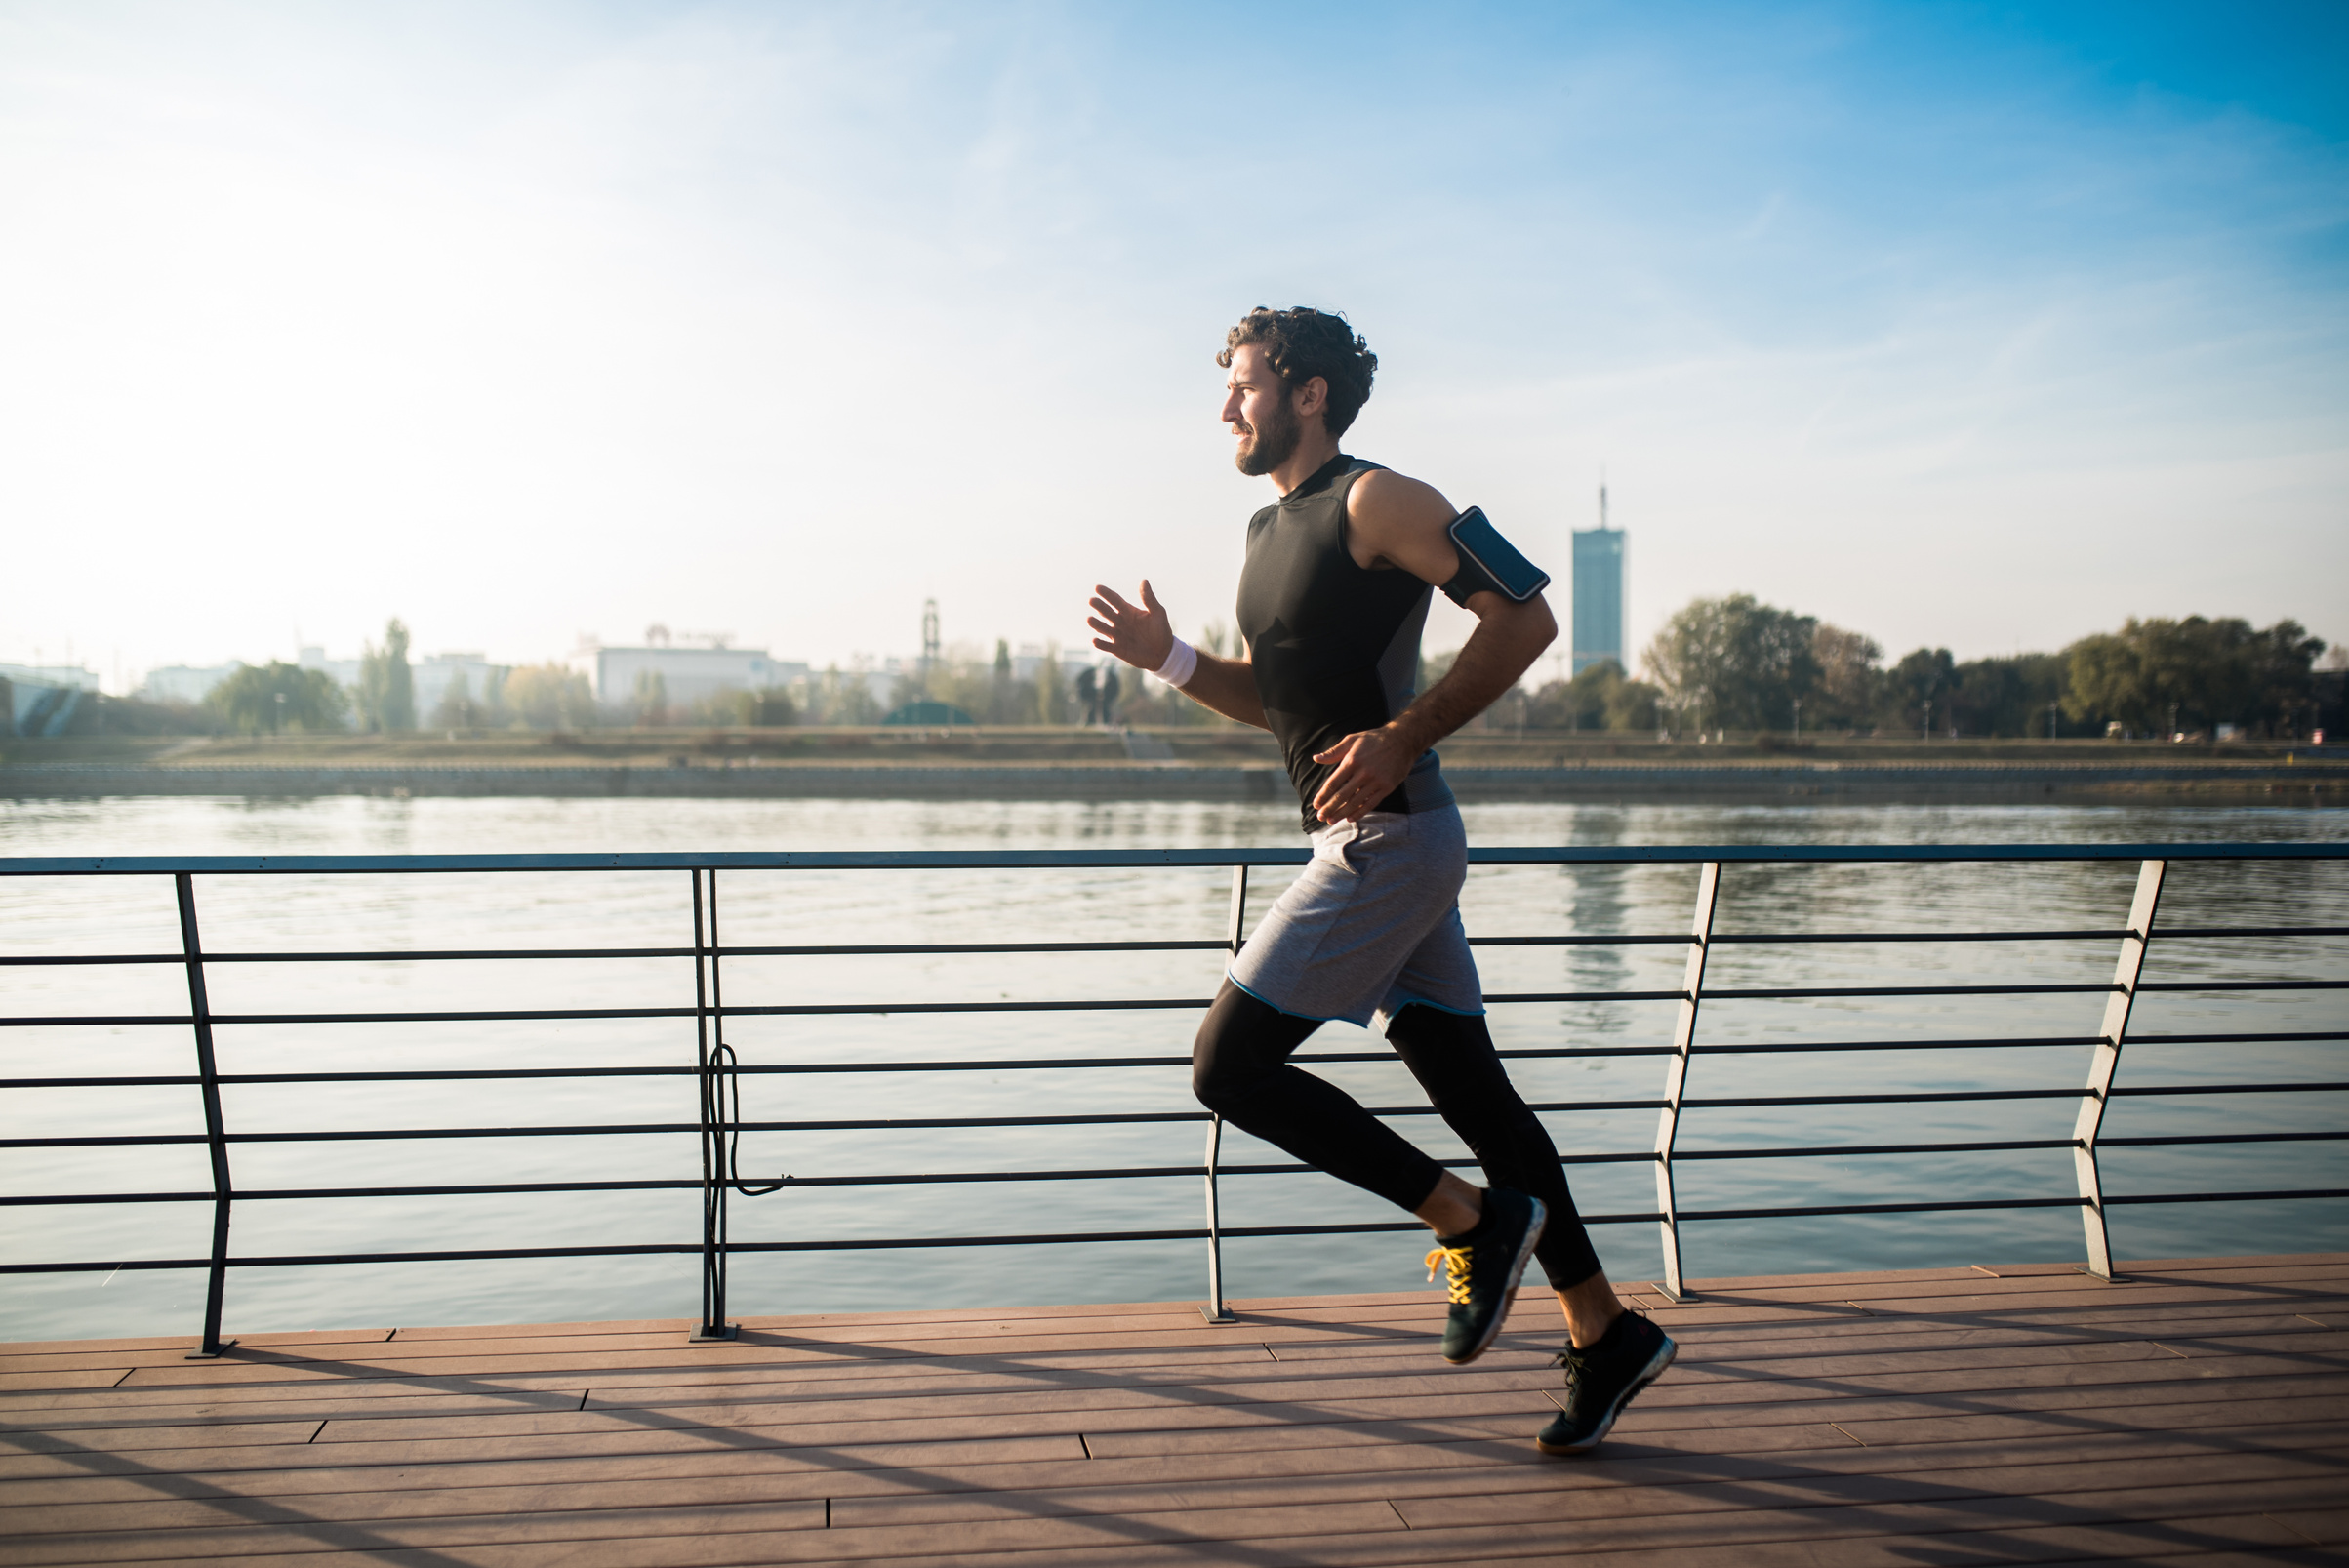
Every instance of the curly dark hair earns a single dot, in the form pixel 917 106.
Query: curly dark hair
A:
pixel 1302 343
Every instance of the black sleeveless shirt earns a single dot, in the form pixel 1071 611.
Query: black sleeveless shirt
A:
pixel 1334 647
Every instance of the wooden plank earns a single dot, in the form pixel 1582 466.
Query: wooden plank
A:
pixel 376 1536
pixel 1388 1470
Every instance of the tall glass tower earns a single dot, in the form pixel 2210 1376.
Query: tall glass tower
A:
pixel 1597 592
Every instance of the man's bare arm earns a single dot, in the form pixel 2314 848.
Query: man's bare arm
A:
pixel 1143 635
pixel 1401 523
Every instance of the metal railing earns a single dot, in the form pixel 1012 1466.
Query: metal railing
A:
pixel 718 1072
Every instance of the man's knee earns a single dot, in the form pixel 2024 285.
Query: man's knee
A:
pixel 1450 1053
pixel 1240 1041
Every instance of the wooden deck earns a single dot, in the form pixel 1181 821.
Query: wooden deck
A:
pixel 2197 1410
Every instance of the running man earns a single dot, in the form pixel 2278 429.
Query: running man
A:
pixel 1335 591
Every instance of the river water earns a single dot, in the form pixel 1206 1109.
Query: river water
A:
pixel 619 909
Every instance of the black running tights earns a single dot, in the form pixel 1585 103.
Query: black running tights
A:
pixel 1240 1069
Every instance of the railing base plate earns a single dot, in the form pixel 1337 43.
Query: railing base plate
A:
pixel 703 1336
pixel 226 1345
pixel 1224 1319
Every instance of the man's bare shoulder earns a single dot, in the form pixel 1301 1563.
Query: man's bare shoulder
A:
pixel 1396 520
pixel 1385 499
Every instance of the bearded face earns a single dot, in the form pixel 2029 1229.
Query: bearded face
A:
pixel 1272 440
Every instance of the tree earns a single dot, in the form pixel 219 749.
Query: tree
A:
pixel 770 708
pixel 1917 689
pixel 2193 673
pixel 1848 689
pixel 1051 693
pixel 277 697
pixel 1002 701
pixel 387 696
pixel 651 697
pixel 2007 696
pixel 457 708
pixel 1597 697
pixel 550 697
pixel 1734 662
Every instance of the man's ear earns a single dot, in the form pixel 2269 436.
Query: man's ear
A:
pixel 1311 397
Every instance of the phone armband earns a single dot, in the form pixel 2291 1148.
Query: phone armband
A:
pixel 1489 563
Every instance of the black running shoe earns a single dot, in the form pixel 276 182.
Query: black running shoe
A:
pixel 1602 1380
pixel 1484 1267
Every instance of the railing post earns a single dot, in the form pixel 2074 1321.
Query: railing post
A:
pixel 2106 1060
pixel 707 995
pixel 1675 1074
pixel 199 1007
pixel 1215 1311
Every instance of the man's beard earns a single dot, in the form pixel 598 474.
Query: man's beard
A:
pixel 1270 443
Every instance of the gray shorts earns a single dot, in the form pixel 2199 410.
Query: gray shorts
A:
pixel 1371 925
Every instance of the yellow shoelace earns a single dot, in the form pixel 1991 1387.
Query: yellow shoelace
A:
pixel 1455 1259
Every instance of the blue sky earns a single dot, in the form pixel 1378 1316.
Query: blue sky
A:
pixel 1970 325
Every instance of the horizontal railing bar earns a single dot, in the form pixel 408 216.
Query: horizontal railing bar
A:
pixel 953 1177
pixel 2221 1137
pixel 1205 945
pixel 1008 859
pixel 615 1129
pixel 2254 1037
pixel 1715 1102
pixel 2243 985
pixel 619 1129
pixel 949 1178
pixel 1993 1043
pixel 2174 933
pixel 1189 1233
pixel 1055 1063
pixel 2230 1197
pixel 1114 1004
pixel 2225 1089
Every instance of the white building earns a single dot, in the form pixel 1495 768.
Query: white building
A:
pixel 344 672
pixel 433 676
pixel 183 683
pixel 689 674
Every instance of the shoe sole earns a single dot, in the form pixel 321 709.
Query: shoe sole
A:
pixel 1648 1374
pixel 1516 1272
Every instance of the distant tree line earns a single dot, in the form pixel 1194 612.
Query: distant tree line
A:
pixel 1737 663
pixel 1722 663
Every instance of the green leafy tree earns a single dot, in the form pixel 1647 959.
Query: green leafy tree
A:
pixel 1735 663
pixel 770 708
pixel 2007 696
pixel 387 695
pixel 1051 692
pixel 1915 693
pixel 1599 697
pixel 458 708
pixel 550 697
pixel 651 699
pixel 1849 681
pixel 2193 673
pixel 279 698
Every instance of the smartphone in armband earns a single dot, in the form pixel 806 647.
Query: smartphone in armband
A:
pixel 1489 562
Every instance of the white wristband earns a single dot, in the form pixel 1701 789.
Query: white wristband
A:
pixel 1182 662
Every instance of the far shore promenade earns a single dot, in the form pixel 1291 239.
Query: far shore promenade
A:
pixel 985 763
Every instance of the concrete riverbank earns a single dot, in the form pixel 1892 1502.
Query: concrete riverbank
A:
pixel 2320 781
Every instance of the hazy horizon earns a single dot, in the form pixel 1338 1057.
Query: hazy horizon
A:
pixel 1957 327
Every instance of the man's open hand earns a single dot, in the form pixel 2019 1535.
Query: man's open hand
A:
pixel 1141 634
pixel 1371 765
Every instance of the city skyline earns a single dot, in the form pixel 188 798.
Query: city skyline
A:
pixel 1962 329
